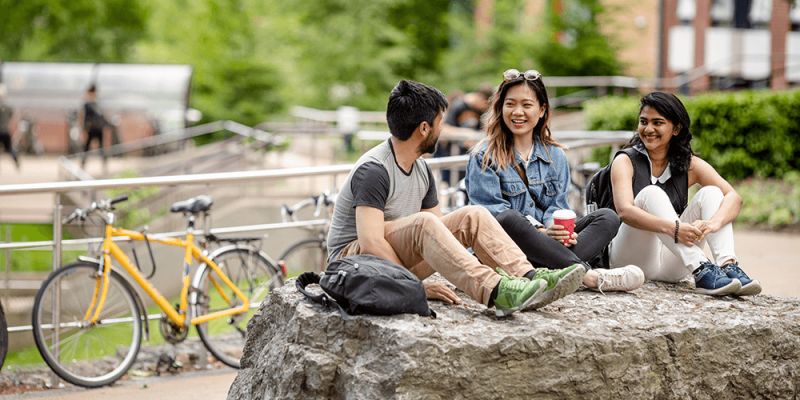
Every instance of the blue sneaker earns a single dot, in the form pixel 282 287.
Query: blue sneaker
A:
pixel 709 279
pixel 749 286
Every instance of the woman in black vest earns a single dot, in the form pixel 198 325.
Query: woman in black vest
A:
pixel 662 232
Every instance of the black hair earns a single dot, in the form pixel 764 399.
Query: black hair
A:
pixel 92 88
pixel 670 107
pixel 411 103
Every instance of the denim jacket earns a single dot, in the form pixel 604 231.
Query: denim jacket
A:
pixel 500 190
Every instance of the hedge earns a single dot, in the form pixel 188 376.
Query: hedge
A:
pixel 742 134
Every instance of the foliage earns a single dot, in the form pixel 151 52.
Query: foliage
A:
pixel 748 133
pixel 573 43
pixel 771 203
pixel 30 260
pixel 612 113
pixel 741 134
pixel 253 58
pixel 230 80
pixel 354 52
pixel 77 30
pixel 560 45
pixel 130 214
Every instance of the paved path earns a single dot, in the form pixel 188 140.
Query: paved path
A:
pixel 772 258
pixel 210 385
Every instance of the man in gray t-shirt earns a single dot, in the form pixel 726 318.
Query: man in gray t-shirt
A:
pixel 388 207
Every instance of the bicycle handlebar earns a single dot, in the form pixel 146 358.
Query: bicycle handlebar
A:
pixel 118 199
pixel 80 214
pixel 319 202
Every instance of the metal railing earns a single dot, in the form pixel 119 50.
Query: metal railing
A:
pixel 72 169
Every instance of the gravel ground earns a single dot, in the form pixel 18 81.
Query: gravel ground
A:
pixel 190 356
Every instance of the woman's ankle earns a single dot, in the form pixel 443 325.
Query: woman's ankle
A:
pixel 590 279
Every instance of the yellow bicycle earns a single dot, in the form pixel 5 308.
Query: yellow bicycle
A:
pixel 88 319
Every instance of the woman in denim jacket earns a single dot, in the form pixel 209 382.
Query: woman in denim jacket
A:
pixel 521 175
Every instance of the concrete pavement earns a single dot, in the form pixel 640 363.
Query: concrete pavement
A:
pixel 208 385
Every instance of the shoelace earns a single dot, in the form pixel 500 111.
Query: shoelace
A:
pixel 516 285
pixel 614 279
pixel 735 268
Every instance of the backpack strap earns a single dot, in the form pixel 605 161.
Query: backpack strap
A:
pixel 308 278
pixel 524 177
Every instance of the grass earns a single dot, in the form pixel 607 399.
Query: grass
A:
pixel 31 260
pixel 772 204
pixel 30 357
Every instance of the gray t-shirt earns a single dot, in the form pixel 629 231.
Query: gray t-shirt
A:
pixel 377 181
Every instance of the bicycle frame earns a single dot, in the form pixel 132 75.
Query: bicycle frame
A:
pixel 192 252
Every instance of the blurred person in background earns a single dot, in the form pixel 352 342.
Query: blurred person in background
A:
pixel 6 113
pixel 93 123
pixel 463 119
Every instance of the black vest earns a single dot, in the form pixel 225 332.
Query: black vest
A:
pixel 676 187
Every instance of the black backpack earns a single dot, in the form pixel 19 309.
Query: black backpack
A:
pixel 598 190
pixel 365 284
pixel 93 118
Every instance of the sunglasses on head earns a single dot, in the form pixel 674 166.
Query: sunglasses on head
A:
pixel 513 73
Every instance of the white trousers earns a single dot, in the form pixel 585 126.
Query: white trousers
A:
pixel 657 254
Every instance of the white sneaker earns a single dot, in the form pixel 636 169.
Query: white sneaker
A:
pixel 624 279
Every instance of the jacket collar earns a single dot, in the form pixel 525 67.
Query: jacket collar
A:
pixel 539 151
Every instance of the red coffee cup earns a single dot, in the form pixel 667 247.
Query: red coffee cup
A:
pixel 565 218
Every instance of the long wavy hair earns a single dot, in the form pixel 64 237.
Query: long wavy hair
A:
pixel 500 147
pixel 670 107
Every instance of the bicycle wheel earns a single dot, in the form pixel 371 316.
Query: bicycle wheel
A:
pixel 306 255
pixel 255 276
pixel 84 354
pixel 3 336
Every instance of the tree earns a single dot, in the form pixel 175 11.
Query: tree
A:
pixel 573 43
pixel 565 43
pixel 76 30
pixel 230 80
pixel 354 51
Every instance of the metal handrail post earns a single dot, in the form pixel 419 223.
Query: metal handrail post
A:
pixel 8 266
pixel 54 379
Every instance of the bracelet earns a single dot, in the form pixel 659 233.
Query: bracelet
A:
pixel 675 235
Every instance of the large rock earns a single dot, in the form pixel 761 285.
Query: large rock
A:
pixel 661 341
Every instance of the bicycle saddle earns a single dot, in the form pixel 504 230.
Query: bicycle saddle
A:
pixel 194 205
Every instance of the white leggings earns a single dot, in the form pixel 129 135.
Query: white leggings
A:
pixel 657 254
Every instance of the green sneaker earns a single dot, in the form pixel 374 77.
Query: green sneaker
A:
pixel 560 282
pixel 514 294
pixel 505 274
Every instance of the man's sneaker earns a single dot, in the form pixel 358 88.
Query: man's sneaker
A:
pixel 749 286
pixel 709 279
pixel 625 279
pixel 516 293
pixel 560 282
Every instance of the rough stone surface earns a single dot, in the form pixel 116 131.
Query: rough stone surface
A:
pixel 660 342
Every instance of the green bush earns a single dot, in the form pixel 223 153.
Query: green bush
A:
pixel 610 114
pixel 747 133
pixel 770 203
pixel 742 134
